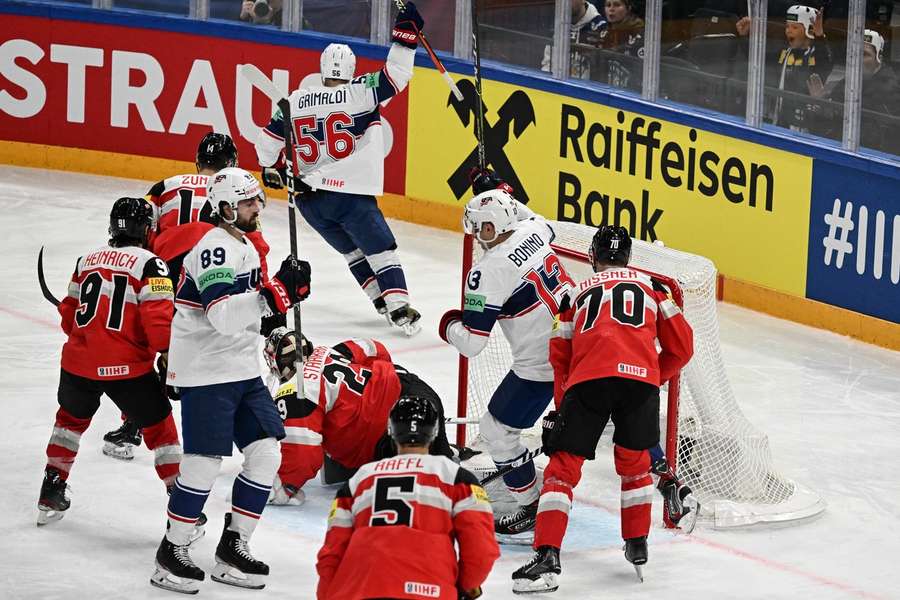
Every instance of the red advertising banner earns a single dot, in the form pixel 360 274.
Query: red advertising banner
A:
pixel 150 92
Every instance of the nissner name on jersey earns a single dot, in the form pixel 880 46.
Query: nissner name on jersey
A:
pixel 318 98
pixel 526 249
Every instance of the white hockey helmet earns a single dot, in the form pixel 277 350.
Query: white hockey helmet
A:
pixel 870 36
pixel 805 15
pixel 231 185
pixel 337 62
pixel 493 206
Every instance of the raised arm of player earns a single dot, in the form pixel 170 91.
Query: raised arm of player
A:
pixel 337 538
pixel 676 338
pixel 561 347
pixel 156 303
pixel 468 330
pixel 473 524
pixel 301 448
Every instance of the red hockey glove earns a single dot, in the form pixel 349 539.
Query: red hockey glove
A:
pixel 289 286
pixel 450 317
pixel 407 26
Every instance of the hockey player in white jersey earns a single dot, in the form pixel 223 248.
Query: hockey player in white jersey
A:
pixel 214 361
pixel 340 152
pixel 516 283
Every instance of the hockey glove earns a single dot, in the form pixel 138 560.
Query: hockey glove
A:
pixel 274 178
pixel 285 494
pixel 407 26
pixel 470 594
pixel 289 286
pixel 484 180
pixel 450 317
pixel 550 427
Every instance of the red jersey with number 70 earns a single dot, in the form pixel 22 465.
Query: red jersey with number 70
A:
pixel 608 327
pixel 117 314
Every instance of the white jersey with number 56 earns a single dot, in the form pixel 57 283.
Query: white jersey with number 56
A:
pixel 517 283
pixel 338 141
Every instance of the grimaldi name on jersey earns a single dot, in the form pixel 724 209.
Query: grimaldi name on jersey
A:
pixel 317 98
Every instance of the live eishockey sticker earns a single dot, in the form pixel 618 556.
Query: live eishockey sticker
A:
pixel 427 590
pixel 160 285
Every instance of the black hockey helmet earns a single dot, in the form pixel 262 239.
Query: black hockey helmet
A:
pixel 413 421
pixel 611 245
pixel 216 151
pixel 281 352
pixel 129 221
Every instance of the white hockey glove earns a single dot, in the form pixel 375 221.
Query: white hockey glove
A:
pixel 285 495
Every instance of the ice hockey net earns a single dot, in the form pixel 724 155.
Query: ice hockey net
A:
pixel 720 454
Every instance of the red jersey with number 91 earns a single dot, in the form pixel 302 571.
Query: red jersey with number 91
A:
pixel 117 314
pixel 608 327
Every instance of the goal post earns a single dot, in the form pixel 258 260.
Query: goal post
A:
pixel 708 440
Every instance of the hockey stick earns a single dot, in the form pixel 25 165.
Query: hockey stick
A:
pixel 479 123
pixel 44 289
pixel 526 458
pixel 434 58
pixel 460 421
pixel 252 74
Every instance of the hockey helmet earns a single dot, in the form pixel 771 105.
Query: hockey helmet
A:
pixel 216 151
pixel 230 186
pixel 337 62
pixel 873 38
pixel 611 245
pixel 413 421
pixel 805 15
pixel 130 220
pixel 281 352
pixel 493 206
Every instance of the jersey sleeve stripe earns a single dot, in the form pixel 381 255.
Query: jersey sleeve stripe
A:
pixel 302 435
pixel 471 503
pixel 340 517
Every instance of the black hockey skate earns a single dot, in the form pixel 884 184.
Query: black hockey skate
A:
pixel 540 574
pixel 120 442
pixel 517 527
pixel 175 571
pixel 407 318
pixel 381 307
pixel 636 554
pixel 234 563
pixel 54 500
pixel 679 503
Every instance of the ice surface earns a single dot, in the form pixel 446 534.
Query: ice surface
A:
pixel 830 405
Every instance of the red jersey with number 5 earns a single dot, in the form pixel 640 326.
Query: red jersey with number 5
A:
pixel 117 314
pixel 349 392
pixel 608 327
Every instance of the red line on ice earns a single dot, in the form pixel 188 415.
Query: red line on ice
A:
pixel 25 316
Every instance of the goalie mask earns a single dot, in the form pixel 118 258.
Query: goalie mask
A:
pixel 493 206
pixel 413 421
pixel 230 186
pixel 337 62
pixel 281 352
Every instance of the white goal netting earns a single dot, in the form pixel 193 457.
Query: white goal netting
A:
pixel 720 454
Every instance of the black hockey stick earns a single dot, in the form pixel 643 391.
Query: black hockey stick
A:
pixel 434 59
pixel 526 458
pixel 479 117
pixel 43 283
pixel 257 78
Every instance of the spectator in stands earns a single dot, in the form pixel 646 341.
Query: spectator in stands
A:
pixel 263 12
pixel 587 22
pixel 880 94
pixel 804 65
pixel 623 34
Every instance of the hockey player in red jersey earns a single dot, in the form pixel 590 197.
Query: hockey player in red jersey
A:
pixel 349 390
pixel 392 527
pixel 605 364
pixel 117 316
pixel 183 216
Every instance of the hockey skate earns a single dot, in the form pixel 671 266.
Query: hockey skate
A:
pixel 54 501
pixel 120 442
pixel 540 574
pixel 681 507
pixel 234 563
pixel 636 554
pixel 175 571
pixel 381 307
pixel 517 527
pixel 407 318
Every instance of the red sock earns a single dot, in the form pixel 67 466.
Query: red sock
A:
pixel 633 467
pixel 162 438
pixel 64 441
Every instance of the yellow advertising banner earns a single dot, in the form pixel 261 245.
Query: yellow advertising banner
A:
pixel 743 205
